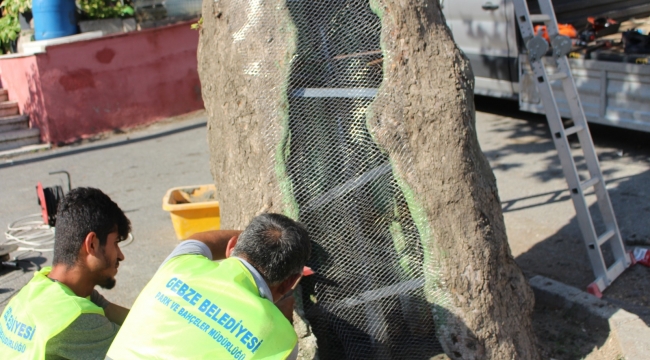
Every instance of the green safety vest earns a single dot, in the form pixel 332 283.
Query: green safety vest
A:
pixel 40 310
pixel 195 308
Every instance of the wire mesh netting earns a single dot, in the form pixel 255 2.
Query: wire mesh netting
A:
pixel 375 293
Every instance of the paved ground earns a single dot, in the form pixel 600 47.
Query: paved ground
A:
pixel 540 218
pixel 137 168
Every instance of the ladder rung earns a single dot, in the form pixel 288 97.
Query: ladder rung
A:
pixel 611 273
pixel 573 129
pixel 618 267
pixel 540 18
pixel 589 183
pixel 557 76
pixel 606 236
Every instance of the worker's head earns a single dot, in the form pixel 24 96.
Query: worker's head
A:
pixel 89 227
pixel 277 247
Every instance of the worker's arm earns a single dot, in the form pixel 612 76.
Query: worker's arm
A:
pixel 286 305
pixel 216 241
pixel 88 337
pixel 116 313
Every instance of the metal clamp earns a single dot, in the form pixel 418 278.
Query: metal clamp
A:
pixel 537 48
pixel 561 46
pixel 489 5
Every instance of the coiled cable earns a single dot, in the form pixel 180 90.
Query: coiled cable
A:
pixel 30 233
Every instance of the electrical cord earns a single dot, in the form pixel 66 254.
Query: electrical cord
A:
pixel 128 241
pixel 30 233
pixel 33 237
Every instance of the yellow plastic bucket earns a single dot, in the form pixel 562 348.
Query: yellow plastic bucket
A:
pixel 192 209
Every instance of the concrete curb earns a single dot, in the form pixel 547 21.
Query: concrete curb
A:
pixel 24 150
pixel 629 335
pixel 107 139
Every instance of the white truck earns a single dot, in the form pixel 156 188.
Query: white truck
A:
pixel 613 93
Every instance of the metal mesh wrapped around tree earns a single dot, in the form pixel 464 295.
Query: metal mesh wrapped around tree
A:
pixel 307 117
pixel 367 300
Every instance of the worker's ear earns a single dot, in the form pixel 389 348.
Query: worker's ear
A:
pixel 231 245
pixel 289 284
pixel 91 244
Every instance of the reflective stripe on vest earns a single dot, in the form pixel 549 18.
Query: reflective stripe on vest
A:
pixel 40 310
pixel 195 308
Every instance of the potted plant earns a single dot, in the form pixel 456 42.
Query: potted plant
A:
pixel 9 23
pixel 105 15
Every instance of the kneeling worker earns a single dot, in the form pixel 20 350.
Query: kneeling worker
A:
pixel 238 308
pixel 58 314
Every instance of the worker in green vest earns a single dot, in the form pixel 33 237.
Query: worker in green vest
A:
pixel 237 308
pixel 59 314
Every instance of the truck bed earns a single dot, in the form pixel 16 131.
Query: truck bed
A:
pixel 615 94
pixel 575 12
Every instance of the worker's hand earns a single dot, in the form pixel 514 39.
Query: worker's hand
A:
pixel 217 241
pixel 286 305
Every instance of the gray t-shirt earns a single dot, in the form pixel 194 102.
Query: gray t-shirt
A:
pixel 195 247
pixel 88 337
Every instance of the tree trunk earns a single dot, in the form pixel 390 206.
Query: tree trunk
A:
pixel 426 123
pixel 400 201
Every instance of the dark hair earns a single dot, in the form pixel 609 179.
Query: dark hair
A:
pixel 81 211
pixel 275 245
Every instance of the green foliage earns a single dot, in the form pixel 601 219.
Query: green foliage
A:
pixel 9 29
pixel 9 25
pixel 105 9
pixel 15 7
pixel 198 25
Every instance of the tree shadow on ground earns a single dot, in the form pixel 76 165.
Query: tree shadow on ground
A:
pixel 561 335
pixel 563 255
pixel 531 135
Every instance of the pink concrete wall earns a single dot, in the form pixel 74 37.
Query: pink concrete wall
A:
pixel 110 83
pixel 20 77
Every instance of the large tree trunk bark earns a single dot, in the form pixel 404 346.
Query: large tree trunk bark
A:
pixel 426 122
pixel 422 120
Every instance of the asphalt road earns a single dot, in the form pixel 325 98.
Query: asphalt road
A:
pixel 137 168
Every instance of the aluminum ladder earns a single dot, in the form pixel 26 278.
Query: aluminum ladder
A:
pixel 537 48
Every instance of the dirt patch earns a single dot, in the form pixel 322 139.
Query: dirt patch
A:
pixel 560 336
pixel 195 195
